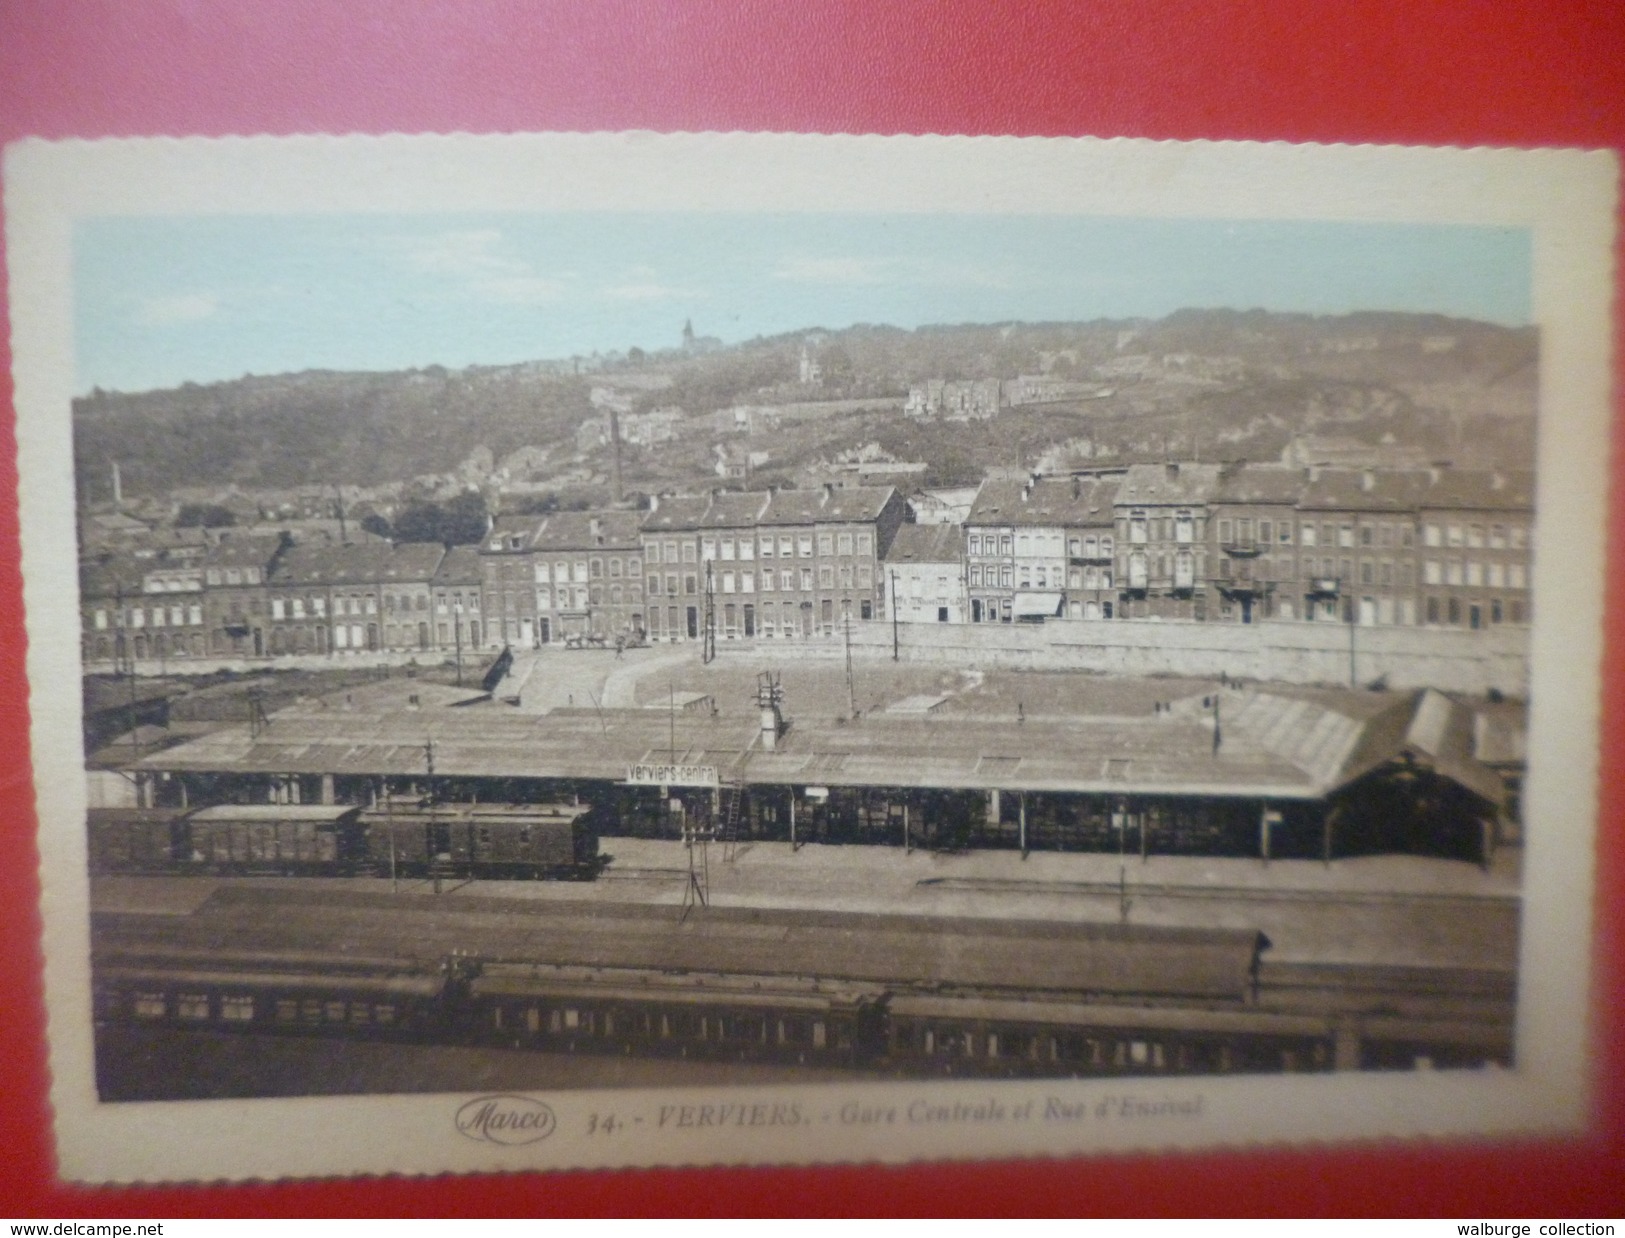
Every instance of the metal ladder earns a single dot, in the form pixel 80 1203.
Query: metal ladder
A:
pixel 732 811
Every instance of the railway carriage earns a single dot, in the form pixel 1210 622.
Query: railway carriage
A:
pixel 488 840
pixel 136 840
pixel 267 992
pixel 306 839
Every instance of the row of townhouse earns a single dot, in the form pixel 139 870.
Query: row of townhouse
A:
pixel 769 564
pixel 1188 541
pixel 1243 542
pixel 253 596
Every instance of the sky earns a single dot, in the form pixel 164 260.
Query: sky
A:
pixel 162 301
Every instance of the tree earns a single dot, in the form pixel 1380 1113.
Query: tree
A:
pixel 377 525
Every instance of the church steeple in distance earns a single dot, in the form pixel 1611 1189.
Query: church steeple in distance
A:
pixel 688 334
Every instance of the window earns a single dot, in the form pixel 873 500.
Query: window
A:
pixel 1515 576
pixel 1475 536
pixel 1431 535
pixel 975 543
pixel 276 608
pixel 1367 575
pixel 654 586
pixel 595 569
pixel 671 584
pixel 1453 535
pixel 826 544
pixel 1475 572
pixel 786 546
pixel 806 579
pixel 1496 575
pixel 728 549
pixel 1224 532
pixel 767 547
pixel 1266 532
pixel 767 580
pixel 614 569
pixel 1345 535
pixel 1137 528
pixel 1452 573
pixel 688 553
pixel 653 552
pixel 866 543
pixel 826 576
pixel 975 575
pixel 804 545
pixel 1367 535
pixel 1498 537
pixel 1515 537
pixel 843 543
pixel 727 582
pixel 787 580
pixel 1307 535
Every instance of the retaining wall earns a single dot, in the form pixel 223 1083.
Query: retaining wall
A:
pixel 1286 652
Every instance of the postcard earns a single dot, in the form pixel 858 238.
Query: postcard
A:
pixel 630 649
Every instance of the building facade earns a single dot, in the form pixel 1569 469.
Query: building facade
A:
pixel 925 574
pixel 587 570
pixel 1161 512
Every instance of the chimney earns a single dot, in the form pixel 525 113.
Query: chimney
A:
pixel 1077 486
pixel 597 527
pixel 829 493
pixel 1171 470
pixel 654 503
pixel 118 487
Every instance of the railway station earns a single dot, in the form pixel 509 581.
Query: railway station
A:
pixel 1259 771
pixel 902 889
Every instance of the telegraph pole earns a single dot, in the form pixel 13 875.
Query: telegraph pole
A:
pixel 851 697
pixel 457 634
pixel 894 654
pixel 708 645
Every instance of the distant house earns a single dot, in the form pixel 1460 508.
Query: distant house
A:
pixel 969 400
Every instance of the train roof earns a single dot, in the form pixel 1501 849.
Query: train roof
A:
pixel 1120 960
pixel 275 812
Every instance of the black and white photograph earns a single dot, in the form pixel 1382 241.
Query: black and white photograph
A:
pixel 728 649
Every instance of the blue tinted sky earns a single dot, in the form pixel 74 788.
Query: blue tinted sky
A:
pixel 163 301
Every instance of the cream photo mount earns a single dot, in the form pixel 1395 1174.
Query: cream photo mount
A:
pixel 1565 200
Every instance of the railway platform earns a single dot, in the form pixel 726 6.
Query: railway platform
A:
pixel 1382 910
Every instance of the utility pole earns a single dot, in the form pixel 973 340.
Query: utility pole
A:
pixel 1350 604
pixel 851 695
pixel 457 635
pixel 708 646
pixel 894 654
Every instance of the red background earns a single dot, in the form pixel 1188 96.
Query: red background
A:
pixel 1401 71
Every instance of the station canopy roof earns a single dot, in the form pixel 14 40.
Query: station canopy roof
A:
pixel 1277 744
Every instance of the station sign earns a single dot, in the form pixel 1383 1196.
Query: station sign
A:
pixel 646 775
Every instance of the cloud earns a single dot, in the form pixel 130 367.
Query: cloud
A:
pixel 517 289
pixel 644 292
pixel 474 262
pixel 172 310
pixel 868 272
pixel 834 271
